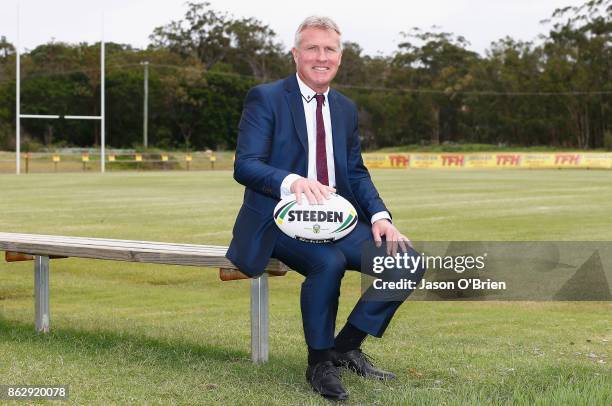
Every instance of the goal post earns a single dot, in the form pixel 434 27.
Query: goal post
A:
pixel 19 115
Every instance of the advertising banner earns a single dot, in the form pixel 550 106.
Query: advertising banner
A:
pixel 393 161
pixel 484 160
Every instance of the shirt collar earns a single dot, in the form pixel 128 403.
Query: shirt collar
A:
pixel 307 93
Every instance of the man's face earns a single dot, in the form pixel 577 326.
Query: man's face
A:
pixel 317 57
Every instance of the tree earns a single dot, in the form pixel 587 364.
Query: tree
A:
pixel 246 45
pixel 182 104
pixel 7 59
pixel 440 62
pixel 255 44
pixel 204 34
pixel 578 56
pixel 497 112
pixel 353 71
pixel 7 115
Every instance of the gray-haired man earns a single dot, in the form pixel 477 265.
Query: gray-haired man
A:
pixel 299 136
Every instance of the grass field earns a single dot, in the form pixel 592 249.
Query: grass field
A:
pixel 127 333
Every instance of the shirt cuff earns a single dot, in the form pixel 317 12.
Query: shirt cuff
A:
pixel 380 215
pixel 285 189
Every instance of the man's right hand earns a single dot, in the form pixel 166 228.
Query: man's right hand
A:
pixel 314 190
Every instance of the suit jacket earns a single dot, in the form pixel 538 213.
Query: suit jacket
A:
pixel 272 143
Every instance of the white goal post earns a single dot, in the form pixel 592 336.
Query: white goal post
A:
pixel 19 116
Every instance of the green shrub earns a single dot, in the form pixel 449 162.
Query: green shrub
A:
pixel 7 135
pixel 607 141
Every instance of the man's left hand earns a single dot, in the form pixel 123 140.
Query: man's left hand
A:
pixel 393 237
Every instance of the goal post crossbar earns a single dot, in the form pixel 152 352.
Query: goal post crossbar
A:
pixel 57 116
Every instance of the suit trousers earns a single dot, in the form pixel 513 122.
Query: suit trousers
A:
pixel 323 266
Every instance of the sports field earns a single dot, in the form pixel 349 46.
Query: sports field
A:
pixel 126 333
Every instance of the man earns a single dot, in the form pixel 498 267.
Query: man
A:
pixel 299 136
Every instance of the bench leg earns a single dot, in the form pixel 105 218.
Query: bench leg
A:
pixel 259 319
pixel 41 292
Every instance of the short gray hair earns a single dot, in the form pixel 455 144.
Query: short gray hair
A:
pixel 322 22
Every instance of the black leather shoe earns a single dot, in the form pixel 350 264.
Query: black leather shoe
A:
pixel 324 378
pixel 361 364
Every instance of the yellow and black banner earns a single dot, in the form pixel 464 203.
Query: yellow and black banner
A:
pixel 484 160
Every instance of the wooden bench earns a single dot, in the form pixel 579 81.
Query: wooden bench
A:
pixel 42 248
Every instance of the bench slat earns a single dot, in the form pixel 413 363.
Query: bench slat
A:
pixel 122 250
pixel 123 245
pixel 61 240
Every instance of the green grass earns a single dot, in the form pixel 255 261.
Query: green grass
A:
pixel 126 333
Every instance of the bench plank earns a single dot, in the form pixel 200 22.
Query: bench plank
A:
pixel 122 250
pixel 108 242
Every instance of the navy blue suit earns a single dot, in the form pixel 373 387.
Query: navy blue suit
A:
pixel 272 143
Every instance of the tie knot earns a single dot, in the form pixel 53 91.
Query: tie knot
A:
pixel 320 98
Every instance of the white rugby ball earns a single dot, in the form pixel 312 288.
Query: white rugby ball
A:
pixel 317 223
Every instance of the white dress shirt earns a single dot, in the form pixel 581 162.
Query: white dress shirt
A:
pixel 310 112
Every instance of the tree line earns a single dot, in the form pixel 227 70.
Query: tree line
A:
pixel 555 91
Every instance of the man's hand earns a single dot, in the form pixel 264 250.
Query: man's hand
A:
pixel 393 237
pixel 314 190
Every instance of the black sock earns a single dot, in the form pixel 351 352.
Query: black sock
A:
pixel 349 338
pixel 316 356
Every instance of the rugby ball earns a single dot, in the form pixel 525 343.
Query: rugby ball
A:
pixel 317 223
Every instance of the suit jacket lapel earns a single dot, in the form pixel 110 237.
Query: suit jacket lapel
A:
pixel 338 137
pixel 294 99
